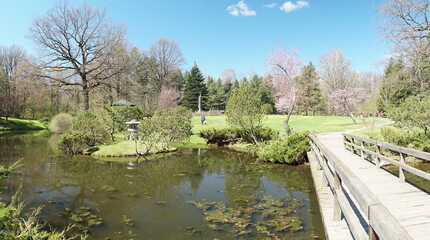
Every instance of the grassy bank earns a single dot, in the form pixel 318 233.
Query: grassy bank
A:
pixel 123 148
pixel 316 124
pixel 20 124
pixel 298 123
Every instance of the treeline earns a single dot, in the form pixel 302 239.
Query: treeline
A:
pixel 86 62
pixel 405 90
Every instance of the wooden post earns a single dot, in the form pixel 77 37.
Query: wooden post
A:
pixel 372 234
pixel 324 177
pixel 345 139
pixel 401 172
pixel 377 160
pixel 361 150
pixel 352 146
pixel 337 211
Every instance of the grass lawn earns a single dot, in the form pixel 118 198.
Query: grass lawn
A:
pixel 20 124
pixel 298 123
pixel 119 149
pixel 369 133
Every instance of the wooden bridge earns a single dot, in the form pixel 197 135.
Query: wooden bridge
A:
pixel 360 200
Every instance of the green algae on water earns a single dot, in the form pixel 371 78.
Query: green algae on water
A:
pixel 268 216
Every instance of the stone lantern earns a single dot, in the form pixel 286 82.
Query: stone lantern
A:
pixel 132 128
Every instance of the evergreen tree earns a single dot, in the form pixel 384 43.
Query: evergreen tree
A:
pixel 396 86
pixel 194 89
pixel 310 95
pixel 264 92
pixel 215 91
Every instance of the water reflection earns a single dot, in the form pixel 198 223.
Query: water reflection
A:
pixel 153 193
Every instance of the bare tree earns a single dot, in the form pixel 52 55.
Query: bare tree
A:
pixel 406 24
pixel 10 58
pixel 166 58
pixel 228 75
pixel 405 20
pixel 336 72
pixel 77 42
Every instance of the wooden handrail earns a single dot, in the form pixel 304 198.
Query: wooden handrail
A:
pixel 408 151
pixel 345 184
pixel 378 156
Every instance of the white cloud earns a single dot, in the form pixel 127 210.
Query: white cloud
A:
pixel 271 5
pixel 241 8
pixel 290 6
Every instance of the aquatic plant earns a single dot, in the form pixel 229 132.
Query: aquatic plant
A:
pixel 127 221
pixel 5 171
pixel 268 216
pixel 83 219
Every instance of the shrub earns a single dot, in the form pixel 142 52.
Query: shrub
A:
pixel 113 118
pixel 221 137
pixel 244 111
pixel 226 136
pixel 61 123
pixel 166 127
pixel 262 134
pixel 74 143
pixel 291 149
pixel 89 123
pixel 412 139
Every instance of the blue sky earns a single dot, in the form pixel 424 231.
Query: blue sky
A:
pixel 221 34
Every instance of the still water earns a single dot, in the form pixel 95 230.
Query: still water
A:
pixel 168 198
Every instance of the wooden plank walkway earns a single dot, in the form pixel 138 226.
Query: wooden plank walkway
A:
pixel 409 205
pixel 334 230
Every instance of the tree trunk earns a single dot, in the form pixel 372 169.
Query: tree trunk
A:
pixel 287 120
pixel 86 93
pixel 254 138
pixel 352 117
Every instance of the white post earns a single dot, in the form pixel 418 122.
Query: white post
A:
pixel 200 102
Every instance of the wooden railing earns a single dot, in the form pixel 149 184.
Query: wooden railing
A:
pixel 348 190
pixel 362 147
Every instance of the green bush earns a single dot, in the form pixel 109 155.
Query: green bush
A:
pixel 291 149
pixel 89 123
pixel 61 123
pixel 221 137
pixel 262 134
pixel 113 118
pixel 227 136
pixel 74 143
pixel 165 127
pixel 405 138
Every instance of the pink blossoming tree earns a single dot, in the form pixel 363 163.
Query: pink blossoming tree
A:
pixel 345 101
pixel 284 67
pixel 168 97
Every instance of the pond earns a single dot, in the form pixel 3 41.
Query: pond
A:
pixel 191 194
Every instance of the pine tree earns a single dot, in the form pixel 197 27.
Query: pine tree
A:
pixel 194 89
pixel 264 92
pixel 310 95
pixel 215 91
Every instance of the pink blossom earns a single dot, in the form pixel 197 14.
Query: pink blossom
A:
pixel 284 68
pixel 168 97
